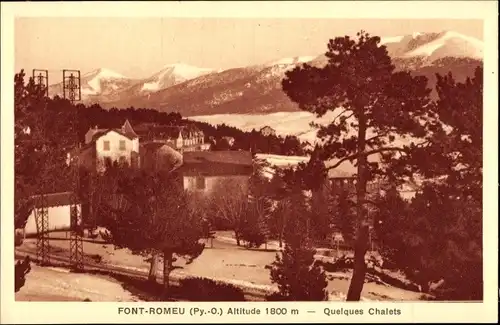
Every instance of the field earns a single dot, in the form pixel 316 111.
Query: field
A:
pixel 226 262
pixel 58 284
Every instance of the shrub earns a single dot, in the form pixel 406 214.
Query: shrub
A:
pixel 253 238
pixel 203 289
pixel 18 238
pixel 22 268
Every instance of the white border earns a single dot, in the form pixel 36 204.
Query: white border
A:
pixel 23 312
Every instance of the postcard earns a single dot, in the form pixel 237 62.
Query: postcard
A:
pixel 249 162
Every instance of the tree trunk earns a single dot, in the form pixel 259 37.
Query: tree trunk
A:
pixel 359 272
pixel 237 236
pixel 153 267
pixel 361 245
pixel 167 267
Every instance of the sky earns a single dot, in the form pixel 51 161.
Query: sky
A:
pixel 139 47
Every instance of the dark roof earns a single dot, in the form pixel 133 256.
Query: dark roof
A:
pixel 151 146
pixel 155 131
pixel 217 163
pixel 101 132
pixel 127 129
pixel 231 157
pixel 53 200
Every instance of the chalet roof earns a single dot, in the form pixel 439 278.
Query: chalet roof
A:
pixel 161 131
pixel 100 133
pixel 53 200
pixel 152 130
pixel 151 146
pixel 126 130
pixel 230 156
pixel 217 163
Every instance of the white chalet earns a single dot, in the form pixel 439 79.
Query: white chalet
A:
pixel 267 131
pixel 111 145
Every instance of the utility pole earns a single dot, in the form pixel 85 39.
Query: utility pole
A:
pixel 41 78
pixel 72 92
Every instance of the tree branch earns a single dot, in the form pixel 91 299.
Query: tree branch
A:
pixel 367 153
pixel 342 113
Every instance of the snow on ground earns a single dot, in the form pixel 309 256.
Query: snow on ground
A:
pixel 58 284
pixel 346 169
pixel 285 123
pixel 392 39
pixel 225 261
pixel 280 161
pixel 293 60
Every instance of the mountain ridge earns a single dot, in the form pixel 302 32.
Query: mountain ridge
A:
pixel 256 89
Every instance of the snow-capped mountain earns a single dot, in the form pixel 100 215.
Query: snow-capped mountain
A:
pixel 292 60
pixel 257 89
pixel 449 44
pixel 173 74
pixel 426 48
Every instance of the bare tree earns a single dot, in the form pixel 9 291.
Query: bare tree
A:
pixel 229 203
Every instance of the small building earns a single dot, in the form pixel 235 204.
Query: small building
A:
pixel 267 131
pixel 204 171
pixel 59 207
pixel 104 146
pixel 181 138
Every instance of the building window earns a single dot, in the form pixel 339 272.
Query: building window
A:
pixel 106 145
pixel 200 183
pixel 122 144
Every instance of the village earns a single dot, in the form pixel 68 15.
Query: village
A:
pixel 49 234
pixel 344 176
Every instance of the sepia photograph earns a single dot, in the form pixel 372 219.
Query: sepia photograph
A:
pixel 247 159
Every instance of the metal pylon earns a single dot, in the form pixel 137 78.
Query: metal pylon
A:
pixel 75 241
pixel 72 91
pixel 41 78
pixel 42 225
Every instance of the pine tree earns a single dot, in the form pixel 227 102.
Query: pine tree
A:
pixel 438 236
pixel 293 271
pixel 360 86
pixel 151 214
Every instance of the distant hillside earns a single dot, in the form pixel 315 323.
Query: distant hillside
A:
pixel 194 91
